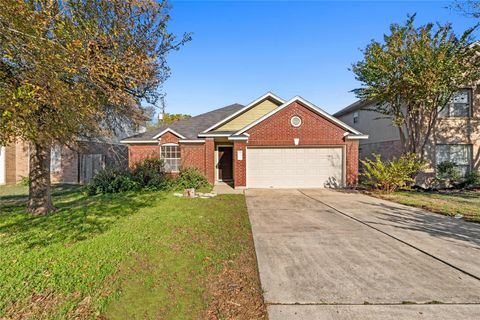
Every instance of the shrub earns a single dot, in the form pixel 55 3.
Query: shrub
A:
pixel 392 175
pixel 472 178
pixel 111 180
pixel 447 170
pixel 148 173
pixel 191 178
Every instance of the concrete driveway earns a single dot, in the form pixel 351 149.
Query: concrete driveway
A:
pixel 326 254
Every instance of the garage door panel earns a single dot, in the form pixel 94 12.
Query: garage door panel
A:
pixel 294 167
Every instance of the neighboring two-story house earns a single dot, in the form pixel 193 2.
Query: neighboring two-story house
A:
pixel 455 138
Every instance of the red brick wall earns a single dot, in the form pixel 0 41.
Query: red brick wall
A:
pixel 315 130
pixel 193 155
pixel 352 162
pixel 139 152
pixel 239 166
pixel 210 159
pixel 168 138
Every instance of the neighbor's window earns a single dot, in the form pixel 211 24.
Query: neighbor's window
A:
pixel 355 117
pixel 459 154
pixel 55 158
pixel 171 156
pixel 459 106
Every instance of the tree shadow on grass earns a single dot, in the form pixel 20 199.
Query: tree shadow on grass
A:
pixel 21 198
pixel 76 219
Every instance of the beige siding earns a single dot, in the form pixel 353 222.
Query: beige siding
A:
pixel 10 164
pixel 22 159
pixel 249 116
pixel 379 130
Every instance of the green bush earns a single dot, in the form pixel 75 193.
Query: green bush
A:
pixel 472 178
pixel 149 172
pixel 447 170
pixel 148 175
pixel 191 178
pixel 392 175
pixel 111 180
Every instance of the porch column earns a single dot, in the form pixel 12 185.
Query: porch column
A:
pixel 239 164
pixel 210 160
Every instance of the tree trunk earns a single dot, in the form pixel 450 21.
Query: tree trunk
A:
pixel 39 198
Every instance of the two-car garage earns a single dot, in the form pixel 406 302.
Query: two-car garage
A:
pixel 295 167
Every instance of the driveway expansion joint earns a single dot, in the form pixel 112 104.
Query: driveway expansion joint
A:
pixel 391 236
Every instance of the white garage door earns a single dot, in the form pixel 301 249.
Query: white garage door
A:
pixel 294 167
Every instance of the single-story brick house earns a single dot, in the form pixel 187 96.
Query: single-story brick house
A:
pixel 268 143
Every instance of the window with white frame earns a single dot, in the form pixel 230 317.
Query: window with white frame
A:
pixel 355 117
pixel 170 154
pixel 459 106
pixel 458 154
pixel 56 158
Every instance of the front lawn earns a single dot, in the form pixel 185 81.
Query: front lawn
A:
pixel 137 255
pixel 465 203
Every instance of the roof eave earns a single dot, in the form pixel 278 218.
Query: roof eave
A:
pixel 247 107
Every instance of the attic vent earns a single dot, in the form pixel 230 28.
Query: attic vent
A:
pixel 296 121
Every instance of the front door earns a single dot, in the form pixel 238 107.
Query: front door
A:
pixel 225 165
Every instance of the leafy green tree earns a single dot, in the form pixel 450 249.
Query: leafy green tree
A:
pixel 413 74
pixel 169 118
pixel 72 69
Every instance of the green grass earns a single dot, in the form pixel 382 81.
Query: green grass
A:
pixel 138 255
pixel 465 203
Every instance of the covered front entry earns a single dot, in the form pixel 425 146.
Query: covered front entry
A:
pixel 225 163
pixel 298 167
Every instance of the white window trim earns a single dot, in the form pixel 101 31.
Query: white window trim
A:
pixel 470 160
pixel 171 145
pixel 294 125
pixel 140 141
pixel 171 131
pixel 470 106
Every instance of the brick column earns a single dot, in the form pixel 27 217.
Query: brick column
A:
pixel 239 166
pixel 352 162
pixel 210 160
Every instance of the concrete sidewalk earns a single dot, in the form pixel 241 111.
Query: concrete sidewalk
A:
pixel 318 263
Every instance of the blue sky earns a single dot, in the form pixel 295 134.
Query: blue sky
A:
pixel 240 50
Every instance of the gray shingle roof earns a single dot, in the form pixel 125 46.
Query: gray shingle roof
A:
pixel 352 107
pixel 191 127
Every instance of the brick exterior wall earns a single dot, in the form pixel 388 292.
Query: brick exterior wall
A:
pixel 168 137
pixel 239 166
pixel 139 152
pixel 314 131
pixel 193 155
pixel 210 160
pixel 352 162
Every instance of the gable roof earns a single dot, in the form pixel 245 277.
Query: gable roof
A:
pixel 307 104
pixel 268 95
pixel 186 128
pixel 352 107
